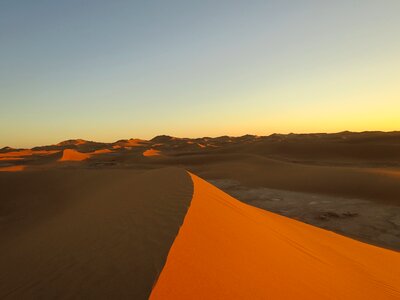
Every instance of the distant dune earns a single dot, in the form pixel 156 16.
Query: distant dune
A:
pixel 76 142
pixel 102 151
pixel 151 152
pixel 129 143
pixel 73 155
pixel 25 153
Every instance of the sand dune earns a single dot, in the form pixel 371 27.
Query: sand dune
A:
pixel 73 155
pixel 75 142
pixel 24 153
pixel 151 152
pixel 129 143
pixel 102 151
pixel 79 234
pixel 229 250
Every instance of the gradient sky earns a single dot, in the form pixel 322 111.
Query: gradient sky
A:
pixel 105 70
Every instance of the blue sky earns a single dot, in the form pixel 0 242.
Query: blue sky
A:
pixel 105 70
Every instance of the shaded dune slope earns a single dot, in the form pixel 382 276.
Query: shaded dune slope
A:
pixel 88 234
pixel 229 250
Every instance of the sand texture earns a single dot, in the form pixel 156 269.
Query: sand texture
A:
pixel 88 234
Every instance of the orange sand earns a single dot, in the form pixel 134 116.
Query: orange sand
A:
pixel 229 250
pixel 73 155
pixel 128 143
pixel 102 151
pixel 151 152
pixel 26 152
pixel 12 168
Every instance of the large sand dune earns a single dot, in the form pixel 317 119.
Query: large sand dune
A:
pixel 73 155
pixel 229 250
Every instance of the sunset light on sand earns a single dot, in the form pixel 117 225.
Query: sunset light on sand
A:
pixel 200 150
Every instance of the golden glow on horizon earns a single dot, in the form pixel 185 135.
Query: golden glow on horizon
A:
pixel 291 69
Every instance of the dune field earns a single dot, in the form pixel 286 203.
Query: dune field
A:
pixel 346 182
pixel 134 219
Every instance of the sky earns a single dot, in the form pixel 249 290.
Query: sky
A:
pixel 106 70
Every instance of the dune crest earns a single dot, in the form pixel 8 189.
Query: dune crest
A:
pixel 229 250
pixel 74 142
pixel 73 155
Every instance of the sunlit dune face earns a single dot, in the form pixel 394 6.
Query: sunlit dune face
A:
pixel 102 151
pixel 24 153
pixel 21 155
pixel 73 155
pixel 134 142
pixel 226 249
pixel 12 169
pixel 151 152
pixel 16 153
